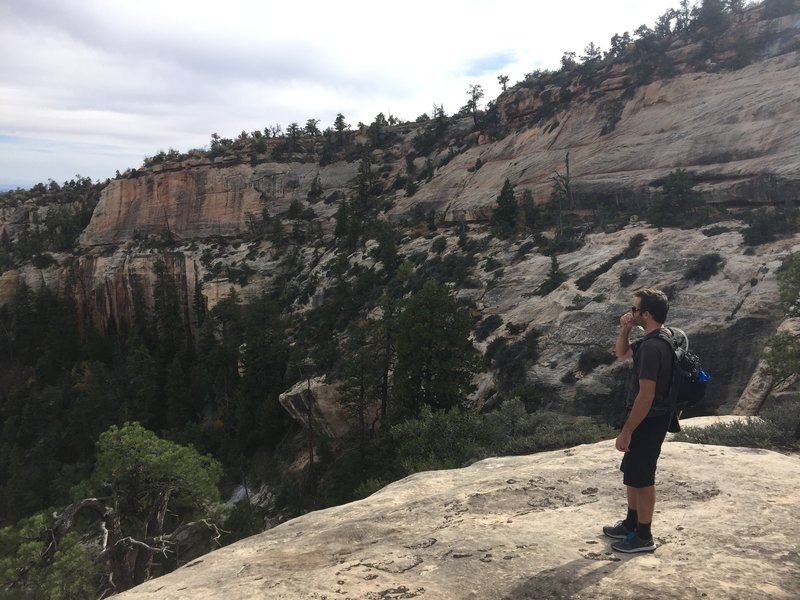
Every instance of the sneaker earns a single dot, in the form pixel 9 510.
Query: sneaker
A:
pixel 633 543
pixel 617 531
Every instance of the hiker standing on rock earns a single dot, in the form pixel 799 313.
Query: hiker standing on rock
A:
pixel 648 417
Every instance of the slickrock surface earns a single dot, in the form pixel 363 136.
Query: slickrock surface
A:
pixel 528 527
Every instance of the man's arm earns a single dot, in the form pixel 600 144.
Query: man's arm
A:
pixel 641 406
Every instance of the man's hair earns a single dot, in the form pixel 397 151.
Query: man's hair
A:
pixel 655 302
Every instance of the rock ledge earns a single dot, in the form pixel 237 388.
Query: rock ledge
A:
pixel 527 527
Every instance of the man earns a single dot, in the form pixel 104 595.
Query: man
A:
pixel 648 418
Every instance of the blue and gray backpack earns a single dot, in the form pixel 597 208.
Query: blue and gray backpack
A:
pixel 689 379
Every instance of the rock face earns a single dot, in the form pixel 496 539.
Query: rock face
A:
pixel 527 527
pixel 317 402
pixel 204 200
pixel 736 129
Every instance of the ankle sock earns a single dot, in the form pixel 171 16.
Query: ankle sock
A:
pixel 631 520
pixel 643 531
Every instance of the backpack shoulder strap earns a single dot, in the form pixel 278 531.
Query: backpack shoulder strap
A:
pixel 667 337
pixel 683 339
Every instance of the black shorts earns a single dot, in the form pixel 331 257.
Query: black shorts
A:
pixel 639 462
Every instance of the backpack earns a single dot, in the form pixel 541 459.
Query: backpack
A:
pixel 689 379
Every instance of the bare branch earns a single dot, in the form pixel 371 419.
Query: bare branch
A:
pixel 129 540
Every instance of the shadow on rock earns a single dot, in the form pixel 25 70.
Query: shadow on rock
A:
pixel 563 582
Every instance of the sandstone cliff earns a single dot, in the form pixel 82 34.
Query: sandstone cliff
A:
pixel 527 527
pixel 735 128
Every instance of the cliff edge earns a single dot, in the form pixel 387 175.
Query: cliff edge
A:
pixel 527 527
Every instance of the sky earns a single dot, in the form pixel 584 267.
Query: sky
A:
pixel 88 87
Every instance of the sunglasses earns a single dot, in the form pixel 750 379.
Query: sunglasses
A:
pixel 634 310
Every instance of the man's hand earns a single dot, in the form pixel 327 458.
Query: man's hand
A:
pixel 622 347
pixel 626 322
pixel 623 441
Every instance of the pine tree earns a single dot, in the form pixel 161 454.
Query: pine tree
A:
pixel 504 217
pixel 435 358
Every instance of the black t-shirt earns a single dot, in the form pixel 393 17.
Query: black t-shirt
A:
pixel 652 360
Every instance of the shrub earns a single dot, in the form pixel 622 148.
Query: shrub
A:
pixel 439 440
pixel 751 433
pixel 764 226
pixel 677 205
pixel 514 328
pixel 778 427
pixel 487 326
pixel 511 359
pixel 515 431
pixel 243 521
pixel 715 230
pixel 579 302
pixel 526 248
pixel 593 357
pixel 439 244
pixel 491 264
pixel 705 267
pixel 478 165
pixel 555 278
pixel 627 277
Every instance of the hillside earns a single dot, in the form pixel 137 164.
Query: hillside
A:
pixel 326 313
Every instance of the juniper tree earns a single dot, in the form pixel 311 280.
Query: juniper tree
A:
pixel 435 357
pixel 504 217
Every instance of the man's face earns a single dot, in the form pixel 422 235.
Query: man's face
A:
pixel 636 312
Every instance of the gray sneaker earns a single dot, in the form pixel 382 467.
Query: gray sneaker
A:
pixel 633 543
pixel 617 531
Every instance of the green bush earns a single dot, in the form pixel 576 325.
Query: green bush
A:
pixel 705 267
pixel 515 328
pixel 243 521
pixel 515 431
pixel 678 204
pixel 579 301
pixel 439 440
pixel 750 433
pixel 777 428
pixel 715 230
pixel 525 248
pixel 593 357
pixel 487 326
pixel 764 226
pixel 439 244
pixel 491 264
pixel 584 282
pixel 627 277
pixel 555 278
pixel 511 360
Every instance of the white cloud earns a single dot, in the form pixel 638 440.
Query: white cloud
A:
pixel 141 76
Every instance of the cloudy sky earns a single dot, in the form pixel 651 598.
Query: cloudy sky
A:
pixel 91 86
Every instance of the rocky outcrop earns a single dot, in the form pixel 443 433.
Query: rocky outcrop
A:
pixel 316 402
pixel 725 316
pixel 762 384
pixel 735 129
pixel 206 200
pixel 527 527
